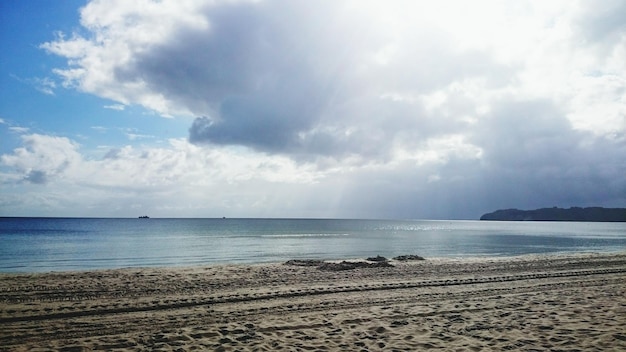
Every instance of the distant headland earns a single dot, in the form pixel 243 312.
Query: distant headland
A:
pixel 596 214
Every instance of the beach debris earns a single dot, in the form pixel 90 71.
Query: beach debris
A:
pixel 304 262
pixel 345 265
pixel 377 258
pixel 402 258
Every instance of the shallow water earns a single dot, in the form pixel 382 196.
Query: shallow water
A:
pixel 57 244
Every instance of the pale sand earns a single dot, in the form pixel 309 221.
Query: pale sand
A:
pixel 557 303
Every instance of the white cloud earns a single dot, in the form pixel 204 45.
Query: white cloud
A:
pixel 13 127
pixel 183 179
pixel 121 31
pixel 179 176
pixel 18 129
pixel 99 128
pixel 42 157
pixel 118 107
pixel 135 136
pixel 45 85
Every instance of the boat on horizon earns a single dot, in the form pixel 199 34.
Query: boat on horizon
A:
pixel 144 217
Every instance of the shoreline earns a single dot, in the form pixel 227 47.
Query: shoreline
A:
pixel 469 258
pixel 524 302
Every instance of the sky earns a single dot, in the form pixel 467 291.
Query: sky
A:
pixel 317 109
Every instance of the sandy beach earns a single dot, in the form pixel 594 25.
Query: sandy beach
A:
pixel 558 303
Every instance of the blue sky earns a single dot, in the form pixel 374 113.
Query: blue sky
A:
pixel 30 102
pixel 400 109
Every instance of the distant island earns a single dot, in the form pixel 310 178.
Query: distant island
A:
pixel 597 214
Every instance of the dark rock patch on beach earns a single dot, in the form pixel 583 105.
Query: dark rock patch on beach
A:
pixel 377 258
pixel 403 258
pixel 345 265
pixel 304 262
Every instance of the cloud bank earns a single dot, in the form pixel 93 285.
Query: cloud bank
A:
pixel 370 108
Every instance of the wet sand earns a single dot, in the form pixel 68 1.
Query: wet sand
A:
pixel 560 303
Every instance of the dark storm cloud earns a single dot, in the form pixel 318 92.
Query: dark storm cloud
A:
pixel 254 73
pixel 526 135
pixel 302 87
pixel 298 78
pixel 531 157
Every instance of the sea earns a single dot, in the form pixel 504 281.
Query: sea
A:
pixel 69 244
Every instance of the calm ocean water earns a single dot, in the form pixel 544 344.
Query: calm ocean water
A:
pixel 58 244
